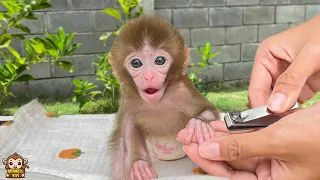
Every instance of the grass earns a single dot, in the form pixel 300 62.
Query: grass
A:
pixel 225 97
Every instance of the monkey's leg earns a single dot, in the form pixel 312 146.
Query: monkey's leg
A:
pixel 120 147
pixel 141 167
pixel 200 128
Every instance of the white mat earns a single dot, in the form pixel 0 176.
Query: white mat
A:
pixel 40 139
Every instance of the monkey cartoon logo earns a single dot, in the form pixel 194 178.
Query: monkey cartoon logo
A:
pixel 15 166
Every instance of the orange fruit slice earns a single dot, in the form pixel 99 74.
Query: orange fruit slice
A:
pixel 71 153
pixel 7 123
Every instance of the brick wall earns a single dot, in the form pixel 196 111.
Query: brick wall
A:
pixel 233 27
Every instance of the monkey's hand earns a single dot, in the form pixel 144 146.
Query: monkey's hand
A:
pixel 142 170
pixel 200 129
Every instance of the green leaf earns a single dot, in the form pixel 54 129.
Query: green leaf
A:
pixel 53 53
pixel 14 52
pixel 192 76
pixel 65 65
pixel 43 5
pixel 77 82
pixel 5 55
pixel 54 39
pixel 61 34
pixel 18 36
pixel 114 13
pixel 69 38
pixel 21 69
pixel 93 93
pixel 31 16
pixel 206 50
pixel 105 36
pixel 22 28
pixel 11 69
pixel 2 16
pixel 71 49
pixel 74 98
pixel 24 78
pixel 214 55
pixel 12 6
pixel 5 41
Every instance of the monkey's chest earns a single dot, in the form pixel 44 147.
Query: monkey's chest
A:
pixel 163 123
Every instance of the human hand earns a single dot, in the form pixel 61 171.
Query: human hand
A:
pixel 289 150
pixel 286 68
pixel 218 168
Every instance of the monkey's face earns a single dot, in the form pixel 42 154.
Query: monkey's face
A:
pixel 148 69
pixel 15 163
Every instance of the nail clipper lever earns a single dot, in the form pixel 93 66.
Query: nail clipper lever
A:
pixel 259 117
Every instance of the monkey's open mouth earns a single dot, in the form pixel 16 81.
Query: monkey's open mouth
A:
pixel 150 90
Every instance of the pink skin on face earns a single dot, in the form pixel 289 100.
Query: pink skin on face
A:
pixel 149 73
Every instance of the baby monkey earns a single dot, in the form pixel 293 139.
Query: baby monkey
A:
pixel 149 58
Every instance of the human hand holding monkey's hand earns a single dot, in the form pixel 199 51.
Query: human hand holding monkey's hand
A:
pixel 286 150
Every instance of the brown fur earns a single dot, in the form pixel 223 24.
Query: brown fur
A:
pixel 180 102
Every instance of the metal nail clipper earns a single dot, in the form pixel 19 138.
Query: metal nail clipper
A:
pixel 255 118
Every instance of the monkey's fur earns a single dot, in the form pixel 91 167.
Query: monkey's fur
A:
pixel 137 119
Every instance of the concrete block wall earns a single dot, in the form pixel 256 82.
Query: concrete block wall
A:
pixel 233 27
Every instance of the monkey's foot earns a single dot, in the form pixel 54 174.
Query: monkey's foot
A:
pixel 142 170
pixel 201 130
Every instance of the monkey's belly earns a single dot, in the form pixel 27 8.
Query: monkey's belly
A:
pixel 165 148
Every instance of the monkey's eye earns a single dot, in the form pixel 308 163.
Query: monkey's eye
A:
pixel 11 163
pixel 160 60
pixel 136 63
pixel 19 163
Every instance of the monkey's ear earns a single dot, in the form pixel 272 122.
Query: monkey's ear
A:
pixel 25 161
pixel 4 161
pixel 187 58
pixel 112 63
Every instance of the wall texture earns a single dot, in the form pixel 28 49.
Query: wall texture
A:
pixel 233 27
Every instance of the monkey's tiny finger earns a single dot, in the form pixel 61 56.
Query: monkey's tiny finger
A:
pixel 190 132
pixel 143 173
pixel 131 174
pixel 205 131
pixel 211 131
pixel 136 172
pixel 199 132
pixel 148 171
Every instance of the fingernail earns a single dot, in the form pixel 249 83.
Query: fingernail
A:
pixel 277 101
pixel 209 150
pixel 183 148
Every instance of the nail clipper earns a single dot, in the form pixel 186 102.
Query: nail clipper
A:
pixel 255 118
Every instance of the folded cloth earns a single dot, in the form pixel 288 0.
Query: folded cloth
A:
pixel 71 147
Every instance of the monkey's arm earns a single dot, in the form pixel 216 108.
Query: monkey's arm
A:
pixel 120 146
pixel 139 147
pixel 141 167
pixel 208 115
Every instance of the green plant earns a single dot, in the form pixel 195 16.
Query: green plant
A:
pixel 50 48
pixel 83 91
pixel 206 57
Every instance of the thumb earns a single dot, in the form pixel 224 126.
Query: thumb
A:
pixel 239 146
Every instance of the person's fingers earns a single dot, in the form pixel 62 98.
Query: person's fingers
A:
pixel 260 86
pixel 289 84
pixel 216 168
pixel 263 170
pixel 240 146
